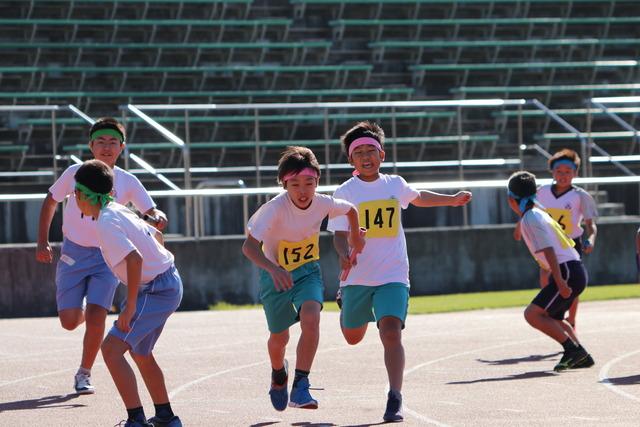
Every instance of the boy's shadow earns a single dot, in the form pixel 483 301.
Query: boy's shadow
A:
pixel 514 361
pixel 631 380
pixel 523 376
pixel 42 403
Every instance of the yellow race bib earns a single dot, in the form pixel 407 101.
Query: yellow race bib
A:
pixel 562 217
pixel 565 241
pixel 292 255
pixel 381 218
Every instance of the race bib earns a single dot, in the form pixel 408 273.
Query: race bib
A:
pixel 562 217
pixel 565 241
pixel 292 255
pixel 380 217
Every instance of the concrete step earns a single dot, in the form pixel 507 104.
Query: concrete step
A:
pixel 611 209
pixel 600 196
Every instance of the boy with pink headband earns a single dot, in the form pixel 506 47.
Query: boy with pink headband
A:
pixel 282 239
pixel 376 288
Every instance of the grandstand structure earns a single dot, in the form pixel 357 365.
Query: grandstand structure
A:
pixel 102 55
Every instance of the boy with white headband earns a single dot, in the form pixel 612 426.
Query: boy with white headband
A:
pixel 570 206
pixel 81 272
pixel 154 291
pixel 282 239
pixel 553 250
pixel 376 288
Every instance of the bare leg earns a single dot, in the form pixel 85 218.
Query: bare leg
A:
pixel 113 350
pixel 573 311
pixel 95 317
pixel 71 318
pixel 391 337
pixel 539 319
pixel 308 343
pixel 569 330
pixel 153 377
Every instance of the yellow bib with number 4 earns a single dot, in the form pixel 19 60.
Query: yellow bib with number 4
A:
pixel 381 218
pixel 562 217
pixel 292 255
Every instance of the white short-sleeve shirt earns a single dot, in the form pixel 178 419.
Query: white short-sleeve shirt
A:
pixel 81 229
pixel 540 231
pixel 569 208
pixel 280 220
pixel 384 258
pixel 119 232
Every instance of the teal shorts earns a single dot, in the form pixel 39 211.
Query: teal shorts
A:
pixel 282 307
pixel 364 304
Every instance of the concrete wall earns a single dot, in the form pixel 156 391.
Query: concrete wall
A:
pixel 443 260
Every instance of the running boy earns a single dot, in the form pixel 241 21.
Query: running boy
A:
pixel 377 286
pixel 570 206
pixel 554 252
pixel 154 291
pixel 82 271
pixel 282 239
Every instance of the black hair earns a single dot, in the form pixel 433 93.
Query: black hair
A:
pixel 522 184
pixel 108 123
pixel 294 159
pixel 96 176
pixel 565 154
pixel 362 129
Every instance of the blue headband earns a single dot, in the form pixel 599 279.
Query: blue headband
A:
pixel 522 201
pixel 563 162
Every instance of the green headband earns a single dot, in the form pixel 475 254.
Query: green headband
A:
pixel 94 198
pixel 107 132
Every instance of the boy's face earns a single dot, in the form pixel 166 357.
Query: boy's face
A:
pixel 563 175
pixel 301 190
pixel 107 149
pixel 367 159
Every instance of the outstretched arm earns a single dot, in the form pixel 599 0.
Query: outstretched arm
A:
pixel 252 250
pixel 428 199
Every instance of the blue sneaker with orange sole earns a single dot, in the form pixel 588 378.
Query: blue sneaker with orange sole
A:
pixel 279 394
pixel 300 396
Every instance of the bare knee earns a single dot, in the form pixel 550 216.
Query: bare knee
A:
pixel 355 335
pixel 310 322
pixel 95 316
pixel 143 360
pixel 532 313
pixel 280 339
pixel 112 349
pixel 71 318
pixel 391 331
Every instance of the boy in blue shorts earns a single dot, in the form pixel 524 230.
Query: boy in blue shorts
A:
pixel 553 250
pixel 282 239
pixel 376 288
pixel 81 272
pixel 154 291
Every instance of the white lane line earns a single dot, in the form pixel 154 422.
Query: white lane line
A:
pixel 422 418
pixel 37 376
pixel 185 386
pixel 604 376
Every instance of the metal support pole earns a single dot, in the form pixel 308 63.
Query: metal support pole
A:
pixel 186 159
pixel 520 138
pixel 327 158
pixel 54 144
pixel 394 145
pixel 465 211
pixel 583 148
pixel 256 125
pixel 126 146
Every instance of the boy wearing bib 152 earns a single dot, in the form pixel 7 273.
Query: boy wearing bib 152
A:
pixel 282 239
pixel 570 206
pixel 377 286
pixel 553 250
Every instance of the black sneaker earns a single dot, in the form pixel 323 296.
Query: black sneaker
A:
pixel 571 358
pixel 165 422
pixel 587 362
pixel 393 413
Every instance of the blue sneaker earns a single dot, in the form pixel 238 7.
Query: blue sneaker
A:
pixel 300 396
pixel 164 422
pixel 132 423
pixel 393 412
pixel 279 396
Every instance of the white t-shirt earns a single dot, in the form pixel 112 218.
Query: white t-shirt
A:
pixel 569 208
pixel 82 230
pixel 289 235
pixel 384 258
pixel 540 231
pixel 119 232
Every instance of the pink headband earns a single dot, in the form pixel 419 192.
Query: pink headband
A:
pixel 304 172
pixel 365 140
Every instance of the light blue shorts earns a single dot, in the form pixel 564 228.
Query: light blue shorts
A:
pixel 82 271
pixel 282 307
pixel 157 300
pixel 364 304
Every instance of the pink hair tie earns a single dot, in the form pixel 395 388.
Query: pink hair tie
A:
pixel 365 140
pixel 304 172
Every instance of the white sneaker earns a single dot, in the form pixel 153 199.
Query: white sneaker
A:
pixel 83 384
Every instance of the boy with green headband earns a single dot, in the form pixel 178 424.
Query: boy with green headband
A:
pixel 82 272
